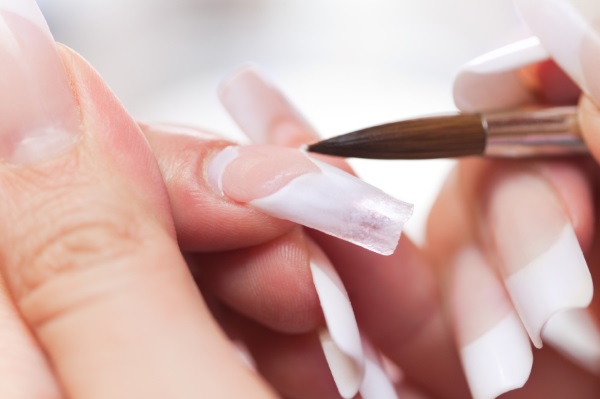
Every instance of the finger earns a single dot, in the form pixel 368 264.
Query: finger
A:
pixel 290 285
pixel 589 121
pixel 296 365
pixel 480 310
pixel 204 220
pixel 549 83
pixel 87 240
pixel 24 369
pixel 494 347
pixel 576 48
pixel 394 298
pixel 269 283
pixel 283 183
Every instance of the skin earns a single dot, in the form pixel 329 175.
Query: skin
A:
pixel 147 312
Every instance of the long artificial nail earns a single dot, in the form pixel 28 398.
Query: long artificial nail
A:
pixel 543 265
pixel 576 335
pixel 570 31
pixel 341 340
pixel 260 109
pixel 40 118
pixel 287 184
pixel 494 347
pixel 376 383
pixel 496 72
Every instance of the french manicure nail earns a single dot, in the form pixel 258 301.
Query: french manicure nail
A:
pixel 40 117
pixel 494 347
pixel 570 31
pixel 376 383
pixel 490 82
pixel 341 340
pixel 288 184
pixel 261 110
pixel 575 334
pixel 543 265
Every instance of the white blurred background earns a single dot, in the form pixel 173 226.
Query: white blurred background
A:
pixel 346 64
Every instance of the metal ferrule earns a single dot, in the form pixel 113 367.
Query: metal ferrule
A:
pixel 535 132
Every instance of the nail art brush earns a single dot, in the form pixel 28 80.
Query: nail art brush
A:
pixel 552 131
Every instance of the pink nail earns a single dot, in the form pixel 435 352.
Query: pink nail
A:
pixel 287 184
pixel 40 118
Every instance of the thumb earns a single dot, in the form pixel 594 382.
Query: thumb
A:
pixel 87 246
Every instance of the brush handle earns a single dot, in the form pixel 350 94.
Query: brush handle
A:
pixel 530 133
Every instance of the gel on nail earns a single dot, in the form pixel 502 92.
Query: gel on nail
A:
pixel 40 118
pixel 287 184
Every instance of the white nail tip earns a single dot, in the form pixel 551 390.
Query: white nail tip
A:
pixel 556 280
pixel 342 331
pixel 508 58
pixel 498 361
pixel 565 27
pixel 376 384
pixel 331 201
pixel 575 335
pixel 341 205
pixel 218 164
pixel 489 82
pixel 346 373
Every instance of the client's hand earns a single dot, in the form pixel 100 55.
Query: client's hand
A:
pixel 97 298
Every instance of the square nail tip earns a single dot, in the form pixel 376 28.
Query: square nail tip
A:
pixel 557 280
pixel 569 31
pixel 376 384
pixel 372 224
pixel 575 334
pixel 499 361
pixel 347 375
pixel 339 315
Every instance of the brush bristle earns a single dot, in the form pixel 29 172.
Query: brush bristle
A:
pixel 423 138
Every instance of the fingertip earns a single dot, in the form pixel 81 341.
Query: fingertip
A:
pixel 589 121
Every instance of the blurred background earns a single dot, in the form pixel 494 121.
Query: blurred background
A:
pixel 346 64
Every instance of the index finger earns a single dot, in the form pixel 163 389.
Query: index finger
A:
pixel 395 297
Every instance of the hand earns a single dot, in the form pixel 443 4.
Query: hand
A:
pixel 97 297
pixel 509 237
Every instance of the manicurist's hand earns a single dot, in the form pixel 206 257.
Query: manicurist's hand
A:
pixel 515 241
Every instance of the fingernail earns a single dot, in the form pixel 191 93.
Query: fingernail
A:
pixel 575 334
pixel 543 265
pixel 261 110
pixel 287 184
pixel 376 383
pixel 40 118
pixel 570 31
pixel 494 347
pixel 496 72
pixel 341 340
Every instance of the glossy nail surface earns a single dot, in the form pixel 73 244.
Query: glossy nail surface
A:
pixel 40 117
pixel 341 342
pixel 491 82
pixel 541 260
pixel 576 335
pixel 261 110
pixel 287 184
pixel 570 31
pixel 494 347
pixel 376 383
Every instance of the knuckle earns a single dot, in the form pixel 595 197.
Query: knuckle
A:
pixel 68 239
